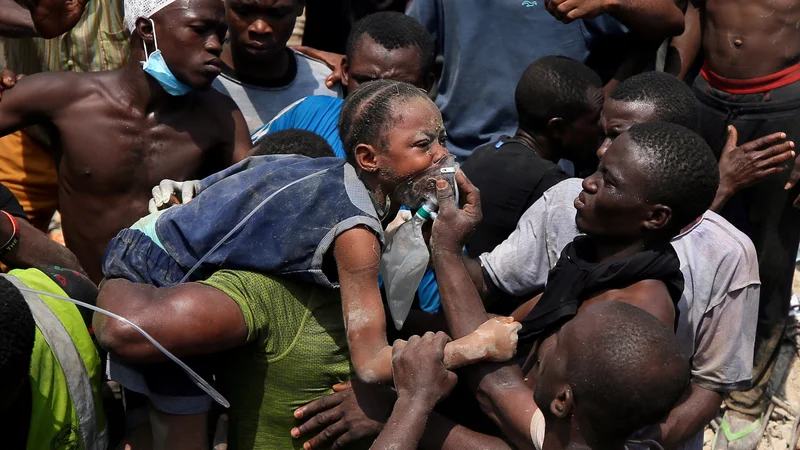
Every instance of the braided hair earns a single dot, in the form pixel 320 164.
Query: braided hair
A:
pixel 367 113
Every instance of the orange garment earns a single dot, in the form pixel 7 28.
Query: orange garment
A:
pixel 28 169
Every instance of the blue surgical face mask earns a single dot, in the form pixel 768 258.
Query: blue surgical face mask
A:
pixel 156 67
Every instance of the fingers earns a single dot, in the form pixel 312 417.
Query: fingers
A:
pixel 733 137
pixel 440 339
pixel 775 156
pixel 187 191
pixel 151 206
pixel 339 387
pixel 446 196
pixel 763 142
pixel 317 422
pixel 157 197
pixel 327 435
pixel 794 176
pixel 470 193
pixel 319 405
pixel 8 79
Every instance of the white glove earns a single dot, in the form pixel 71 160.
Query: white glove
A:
pixel 164 191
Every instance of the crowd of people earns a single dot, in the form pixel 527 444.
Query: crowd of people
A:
pixel 607 232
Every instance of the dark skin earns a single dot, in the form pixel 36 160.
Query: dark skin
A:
pixel 259 31
pixel 653 20
pixel 421 380
pixel 39 18
pixel 740 166
pixel 574 140
pixel 371 61
pixel 147 135
pixel 35 249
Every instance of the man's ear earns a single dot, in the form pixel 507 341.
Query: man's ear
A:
pixel 366 157
pixel 556 128
pixel 657 218
pixel 562 404
pixel 345 71
pixel 145 31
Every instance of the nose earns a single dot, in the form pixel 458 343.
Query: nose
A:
pixel 439 152
pixel 260 26
pixel 589 184
pixel 214 45
pixel 604 147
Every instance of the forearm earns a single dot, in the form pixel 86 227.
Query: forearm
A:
pixel 405 426
pixel 695 410
pixel 442 433
pixel 723 195
pixel 15 21
pixel 653 20
pixel 463 307
pixel 500 388
pixel 35 249
pixel 640 56
pixel 475 272
pixel 683 50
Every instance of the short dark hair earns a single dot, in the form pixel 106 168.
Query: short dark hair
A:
pixel 680 166
pixel 293 142
pixel 630 374
pixel 672 99
pixel 17 333
pixel 367 113
pixel 554 86
pixel 393 30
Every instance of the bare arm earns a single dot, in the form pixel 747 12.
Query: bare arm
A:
pixel 695 410
pixel 500 389
pixel 650 19
pixel 357 253
pixel 188 319
pixel 37 98
pixel 35 249
pixel 640 55
pixel 683 50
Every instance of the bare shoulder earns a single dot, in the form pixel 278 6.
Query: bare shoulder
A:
pixel 649 295
pixel 216 101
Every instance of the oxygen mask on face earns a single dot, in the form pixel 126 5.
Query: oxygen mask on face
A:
pixel 421 188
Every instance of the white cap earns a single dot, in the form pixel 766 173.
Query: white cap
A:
pixel 142 8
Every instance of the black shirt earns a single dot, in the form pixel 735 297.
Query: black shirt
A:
pixel 511 177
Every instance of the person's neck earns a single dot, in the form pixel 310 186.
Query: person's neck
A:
pixel 612 251
pixel 143 91
pixel 377 191
pixel 250 71
pixel 539 144
pixel 574 436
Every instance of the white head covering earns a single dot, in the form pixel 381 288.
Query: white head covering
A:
pixel 142 8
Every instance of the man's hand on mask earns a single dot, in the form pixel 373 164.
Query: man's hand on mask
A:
pixel 453 225
pixel 165 191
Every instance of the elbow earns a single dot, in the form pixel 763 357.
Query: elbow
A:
pixel 123 340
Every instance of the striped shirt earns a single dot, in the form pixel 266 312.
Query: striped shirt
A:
pixel 98 42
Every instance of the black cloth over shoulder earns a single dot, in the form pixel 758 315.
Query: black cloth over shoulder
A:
pixel 575 279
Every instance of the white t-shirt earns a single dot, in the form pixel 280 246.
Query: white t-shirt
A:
pixel 719 306
pixel 261 104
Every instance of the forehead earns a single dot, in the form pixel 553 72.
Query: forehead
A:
pixel 416 114
pixel 628 112
pixel 191 9
pixel 368 54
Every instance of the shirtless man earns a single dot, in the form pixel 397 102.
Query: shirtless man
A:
pixel 148 128
pixel 750 80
